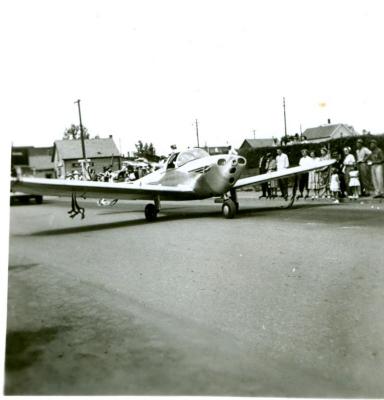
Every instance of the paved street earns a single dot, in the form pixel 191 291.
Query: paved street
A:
pixel 272 303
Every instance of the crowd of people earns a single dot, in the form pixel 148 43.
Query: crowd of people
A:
pixel 354 174
pixel 125 174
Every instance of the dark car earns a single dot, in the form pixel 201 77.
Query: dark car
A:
pixel 19 197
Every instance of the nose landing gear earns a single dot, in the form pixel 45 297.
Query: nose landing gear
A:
pixel 230 205
pixel 229 209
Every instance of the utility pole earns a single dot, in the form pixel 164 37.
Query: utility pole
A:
pixel 285 119
pixel 197 133
pixel 254 134
pixel 81 130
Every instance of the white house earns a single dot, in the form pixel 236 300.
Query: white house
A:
pixel 328 132
pixel 101 152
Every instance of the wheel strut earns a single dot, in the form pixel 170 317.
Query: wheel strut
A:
pixel 233 197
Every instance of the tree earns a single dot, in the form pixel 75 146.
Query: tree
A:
pixel 73 133
pixel 145 150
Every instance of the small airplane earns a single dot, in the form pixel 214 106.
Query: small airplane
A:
pixel 192 174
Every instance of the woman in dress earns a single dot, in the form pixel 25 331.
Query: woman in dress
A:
pixel 324 174
pixel 349 162
pixel 314 178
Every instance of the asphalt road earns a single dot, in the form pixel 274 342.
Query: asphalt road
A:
pixel 272 303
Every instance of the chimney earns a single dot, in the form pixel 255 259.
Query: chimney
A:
pixel 329 121
pixel 110 136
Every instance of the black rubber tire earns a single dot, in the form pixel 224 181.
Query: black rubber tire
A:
pixel 229 209
pixel 39 199
pixel 150 212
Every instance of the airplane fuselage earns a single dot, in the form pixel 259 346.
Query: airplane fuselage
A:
pixel 206 177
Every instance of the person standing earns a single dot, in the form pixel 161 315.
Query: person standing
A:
pixel 282 163
pixel 349 162
pixel 305 161
pixel 354 183
pixel 338 165
pixel 324 174
pixel 334 185
pixel 362 154
pixel 314 177
pixel 263 170
pixel 376 160
pixel 271 167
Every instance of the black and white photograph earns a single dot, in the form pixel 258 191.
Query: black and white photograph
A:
pixel 192 198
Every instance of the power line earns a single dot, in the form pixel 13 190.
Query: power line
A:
pixel 197 132
pixel 81 130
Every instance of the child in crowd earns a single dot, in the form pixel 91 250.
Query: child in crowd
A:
pixel 334 185
pixel 354 183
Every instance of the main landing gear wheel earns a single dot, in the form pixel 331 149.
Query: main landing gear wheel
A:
pixel 150 212
pixel 39 199
pixel 229 209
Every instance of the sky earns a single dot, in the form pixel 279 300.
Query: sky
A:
pixel 146 70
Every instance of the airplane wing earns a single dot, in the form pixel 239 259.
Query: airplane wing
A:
pixel 91 189
pixel 269 176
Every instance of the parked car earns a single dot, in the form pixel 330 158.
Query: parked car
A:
pixel 18 171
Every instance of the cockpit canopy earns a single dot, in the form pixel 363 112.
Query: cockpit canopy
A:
pixel 179 159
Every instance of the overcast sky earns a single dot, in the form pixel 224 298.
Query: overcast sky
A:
pixel 147 69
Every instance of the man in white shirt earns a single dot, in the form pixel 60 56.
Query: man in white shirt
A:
pixel 305 161
pixel 362 154
pixel 282 163
pixel 281 160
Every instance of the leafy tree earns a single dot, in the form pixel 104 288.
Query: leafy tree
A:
pixel 145 150
pixel 73 133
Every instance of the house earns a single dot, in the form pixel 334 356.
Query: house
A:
pixel 40 160
pixel 20 155
pixel 102 153
pixel 250 144
pixel 328 132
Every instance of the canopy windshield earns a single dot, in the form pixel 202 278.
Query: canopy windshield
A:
pixel 190 155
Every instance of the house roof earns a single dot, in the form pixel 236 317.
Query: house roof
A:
pixel 320 132
pixel 41 151
pixel 41 157
pixel 257 143
pixel 325 131
pixel 94 148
